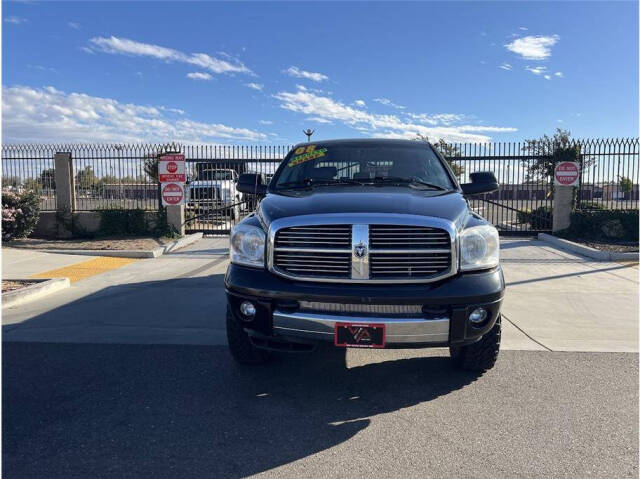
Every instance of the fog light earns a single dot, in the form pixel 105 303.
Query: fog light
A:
pixel 248 309
pixel 478 315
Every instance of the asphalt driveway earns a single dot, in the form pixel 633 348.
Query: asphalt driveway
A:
pixel 126 374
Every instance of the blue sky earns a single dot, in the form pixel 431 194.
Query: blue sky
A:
pixel 260 73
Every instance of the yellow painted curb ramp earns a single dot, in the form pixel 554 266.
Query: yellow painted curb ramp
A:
pixel 86 269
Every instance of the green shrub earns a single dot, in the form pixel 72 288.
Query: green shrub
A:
pixel 604 225
pixel 135 223
pixel 123 223
pixel 20 214
pixel 591 205
pixel 523 216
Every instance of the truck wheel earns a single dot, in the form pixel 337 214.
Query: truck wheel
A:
pixel 479 356
pixel 241 348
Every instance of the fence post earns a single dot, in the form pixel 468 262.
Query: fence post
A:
pixel 562 206
pixel 65 194
pixel 175 217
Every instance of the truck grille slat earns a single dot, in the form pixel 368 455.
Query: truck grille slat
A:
pixel 393 252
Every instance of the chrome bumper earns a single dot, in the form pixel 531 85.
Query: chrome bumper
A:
pixel 398 330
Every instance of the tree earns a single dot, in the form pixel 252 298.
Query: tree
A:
pixel 109 180
pixel 448 150
pixel 626 185
pixel 10 181
pixel 86 178
pixel 546 152
pixel 32 185
pixel 48 179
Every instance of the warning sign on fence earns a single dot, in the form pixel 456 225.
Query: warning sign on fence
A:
pixel 567 173
pixel 171 169
pixel 172 194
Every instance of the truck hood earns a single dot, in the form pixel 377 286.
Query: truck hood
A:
pixel 380 200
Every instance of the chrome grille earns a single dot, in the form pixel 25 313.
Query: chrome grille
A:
pixel 399 251
pixel 361 308
pixel 362 248
pixel 409 237
pixel 318 251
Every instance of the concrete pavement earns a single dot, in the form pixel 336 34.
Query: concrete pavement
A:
pixel 555 301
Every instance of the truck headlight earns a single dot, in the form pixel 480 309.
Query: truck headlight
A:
pixel 247 245
pixel 479 248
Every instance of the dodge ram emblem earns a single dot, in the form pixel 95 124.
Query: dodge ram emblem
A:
pixel 360 250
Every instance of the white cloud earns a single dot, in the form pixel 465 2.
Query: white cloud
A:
pixel 125 46
pixel 359 103
pixel 536 70
pixel 559 74
pixel 319 119
pixel 255 86
pixel 199 76
pixel 387 102
pixel 533 47
pixel 523 28
pixel 298 73
pixel 74 25
pixel 50 115
pixel 547 77
pixel 266 122
pixel 505 66
pixel 386 126
pixel 439 118
pixel 15 20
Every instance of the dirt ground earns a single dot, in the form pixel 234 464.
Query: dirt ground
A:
pixel 13 285
pixel 115 243
pixel 624 247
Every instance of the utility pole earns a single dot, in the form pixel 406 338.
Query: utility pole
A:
pixel 308 132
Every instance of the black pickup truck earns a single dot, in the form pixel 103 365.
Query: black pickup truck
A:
pixel 365 243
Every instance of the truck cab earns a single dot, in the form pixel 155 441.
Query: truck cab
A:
pixel 214 190
pixel 368 244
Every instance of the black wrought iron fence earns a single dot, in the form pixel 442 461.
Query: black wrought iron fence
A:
pixel 124 176
pixel 30 167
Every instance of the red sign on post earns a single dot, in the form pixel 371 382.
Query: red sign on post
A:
pixel 171 169
pixel 172 194
pixel 567 173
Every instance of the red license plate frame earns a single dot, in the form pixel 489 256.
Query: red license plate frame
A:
pixel 359 335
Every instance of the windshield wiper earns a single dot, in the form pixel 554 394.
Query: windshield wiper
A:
pixel 411 181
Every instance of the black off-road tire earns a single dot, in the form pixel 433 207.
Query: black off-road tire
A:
pixel 241 348
pixel 479 356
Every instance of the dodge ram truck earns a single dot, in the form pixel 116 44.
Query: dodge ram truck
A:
pixel 365 243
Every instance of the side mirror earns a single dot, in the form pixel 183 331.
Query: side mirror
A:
pixel 252 184
pixel 481 182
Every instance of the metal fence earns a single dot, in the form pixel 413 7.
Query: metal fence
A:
pixel 30 167
pixel 123 176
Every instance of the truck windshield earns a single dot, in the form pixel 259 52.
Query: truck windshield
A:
pixel 362 164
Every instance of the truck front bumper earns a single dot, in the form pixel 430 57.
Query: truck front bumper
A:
pixel 442 318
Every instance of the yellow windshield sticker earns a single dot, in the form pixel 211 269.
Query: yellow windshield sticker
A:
pixel 306 153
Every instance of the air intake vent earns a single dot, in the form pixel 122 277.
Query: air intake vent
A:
pixel 314 251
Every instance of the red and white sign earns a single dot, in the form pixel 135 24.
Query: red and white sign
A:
pixel 171 169
pixel 172 194
pixel 567 173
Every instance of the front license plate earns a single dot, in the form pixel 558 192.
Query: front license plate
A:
pixel 359 335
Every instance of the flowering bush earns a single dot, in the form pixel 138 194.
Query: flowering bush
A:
pixel 19 214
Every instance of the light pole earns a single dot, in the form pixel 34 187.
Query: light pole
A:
pixel 308 132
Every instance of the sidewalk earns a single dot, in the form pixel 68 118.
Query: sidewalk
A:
pixel 23 263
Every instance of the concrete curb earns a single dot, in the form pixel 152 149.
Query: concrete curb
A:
pixel 586 250
pixel 42 288
pixel 123 253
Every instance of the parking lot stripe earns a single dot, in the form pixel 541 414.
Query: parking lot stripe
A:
pixel 86 269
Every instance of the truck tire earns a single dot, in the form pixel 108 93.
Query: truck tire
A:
pixel 241 348
pixel 479 356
